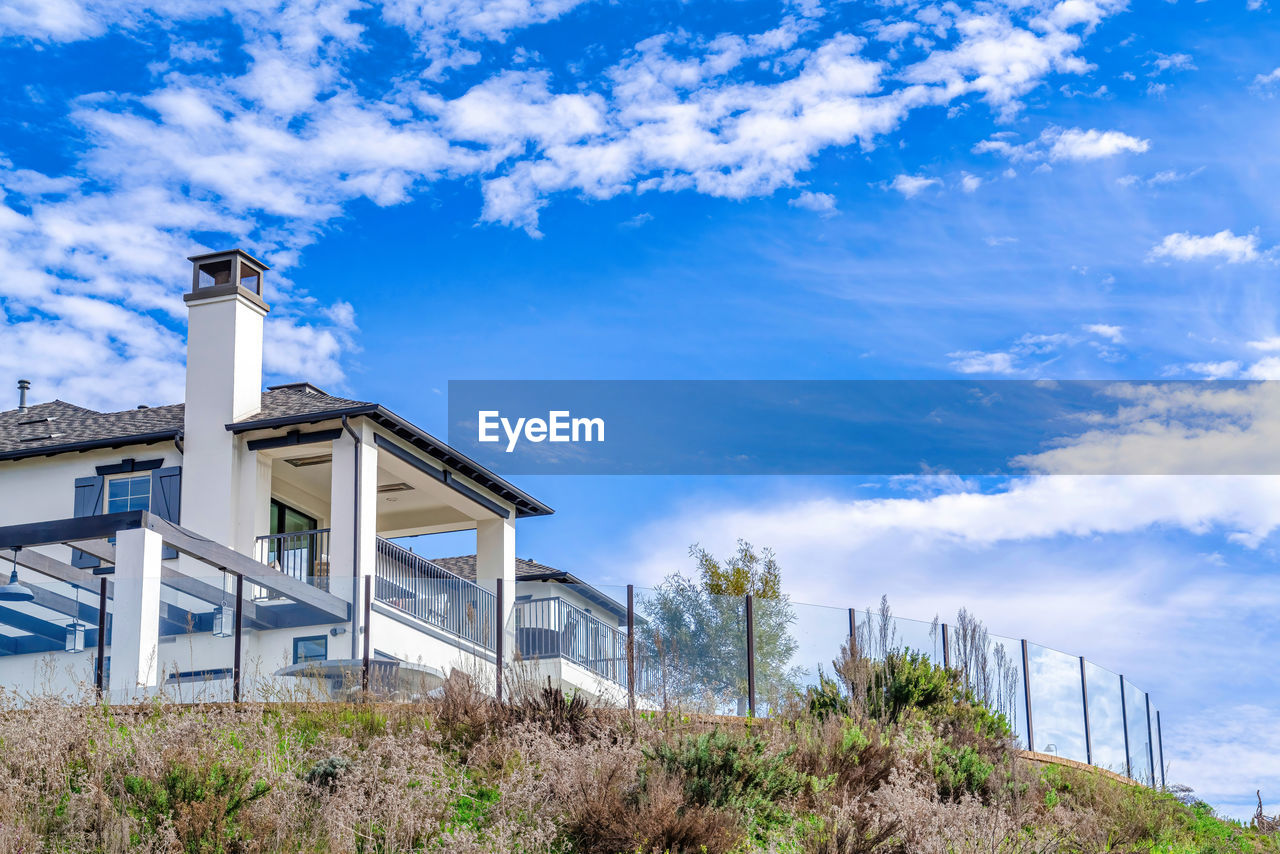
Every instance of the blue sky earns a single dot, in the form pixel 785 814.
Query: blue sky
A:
pixel 564 189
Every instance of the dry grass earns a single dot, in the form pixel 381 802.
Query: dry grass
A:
pixel 548 775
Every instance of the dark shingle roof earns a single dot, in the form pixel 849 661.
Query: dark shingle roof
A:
pixel 51 427
pixel 464 566
pixel 58 426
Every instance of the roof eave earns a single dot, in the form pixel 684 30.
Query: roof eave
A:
pixel 92 445
pixel 525 504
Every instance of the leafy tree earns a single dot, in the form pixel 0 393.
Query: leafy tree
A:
pixel 694 638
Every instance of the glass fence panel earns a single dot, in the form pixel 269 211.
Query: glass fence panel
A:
pixel 809 638
pixel 1106 719
pixel 1139 742
pixel 49 638
pixel 1057 703
pixel 691 647
pixel 196 645
pixel 793 643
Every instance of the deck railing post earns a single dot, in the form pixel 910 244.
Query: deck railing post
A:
pixel 631 647
pixel 99 668
pixel 500 603
pixel 1151 744
pixel 364 671
pixel 1084 695
pixel 239 637
pixel 1124 720
pixel 751 657
pixel 1160 742
pixel 1026 690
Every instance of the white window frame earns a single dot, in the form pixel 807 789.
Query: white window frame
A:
pixel 114 478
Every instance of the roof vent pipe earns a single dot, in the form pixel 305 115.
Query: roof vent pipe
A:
pixel 23 386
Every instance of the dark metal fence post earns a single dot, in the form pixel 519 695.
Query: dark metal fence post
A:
pixel 364 672
pixel 235 666
pixel 946 647
pixel 1160 741
pixel 1026 690
pixel 1124 720
pixel 1151 744
pixel 99 669
pixel 1084 694
pixel 631 647
pixel 500 607
pixel 751 657
pixel 853 628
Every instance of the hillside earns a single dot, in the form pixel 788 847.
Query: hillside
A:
pixel 924 771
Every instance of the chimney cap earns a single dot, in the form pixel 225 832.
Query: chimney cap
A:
pixel 227 253
pixel 234 272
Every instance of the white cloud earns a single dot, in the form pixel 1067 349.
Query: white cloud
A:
pixel 969 183
pixel 911 186
pixel 979 362
pixel 1224 246
pixel 1114 334
pixel 822 203
pixel 266 145
pixel 1172 62
pixel 1267 81
pixel 1075 144
pixel 1070 144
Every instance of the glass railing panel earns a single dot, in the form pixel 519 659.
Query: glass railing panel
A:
pixel 49 639
pixel 1139 740
pixel 803 642
pixel 1057 703
pixel 1106 719
pixel 692 650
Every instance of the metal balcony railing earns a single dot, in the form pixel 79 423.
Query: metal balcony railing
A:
pixel 434 595
pixel 303 555
pixel 553 627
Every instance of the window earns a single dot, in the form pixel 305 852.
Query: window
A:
pixel 286 520
pixel 310 649
pixel 128 492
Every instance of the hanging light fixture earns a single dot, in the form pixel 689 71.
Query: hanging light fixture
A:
pixel 223 616
pixel 75 628
pixel 75 636
pixel 15 590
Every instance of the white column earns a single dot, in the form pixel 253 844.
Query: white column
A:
pixel 253 513
pixel 135 632
pixel 352 541
pixel 496 558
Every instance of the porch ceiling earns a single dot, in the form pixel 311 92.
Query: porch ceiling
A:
pixel 410 501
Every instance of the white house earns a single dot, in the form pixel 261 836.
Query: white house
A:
pixel 294 496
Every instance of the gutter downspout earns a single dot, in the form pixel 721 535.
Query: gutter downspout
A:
pixel 355 568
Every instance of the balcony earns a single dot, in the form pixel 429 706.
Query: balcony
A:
pixel 554 628
pixel 434 595
pixel 303 555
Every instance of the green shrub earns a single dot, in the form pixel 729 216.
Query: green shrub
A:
pixel 200 803
pixel 960 771
pixel 326 772
pixel 826 700
pixel 737 772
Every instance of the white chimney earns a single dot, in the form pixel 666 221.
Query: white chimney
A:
pixel 224 384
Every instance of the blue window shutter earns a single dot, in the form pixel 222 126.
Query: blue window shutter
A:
pixel 88 503
pixel 166 499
